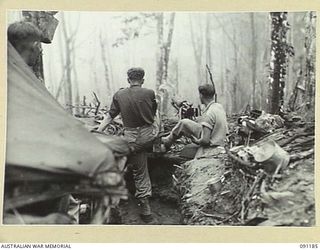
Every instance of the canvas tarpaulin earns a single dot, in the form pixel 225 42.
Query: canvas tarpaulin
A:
pixel 41 134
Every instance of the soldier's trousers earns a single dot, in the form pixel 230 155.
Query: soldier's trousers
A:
pixel 140 139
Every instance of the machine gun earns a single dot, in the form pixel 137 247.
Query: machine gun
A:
pixel 185 110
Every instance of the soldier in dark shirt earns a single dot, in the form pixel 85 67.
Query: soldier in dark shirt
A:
pixel 137 107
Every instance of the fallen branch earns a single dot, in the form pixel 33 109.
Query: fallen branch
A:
pixel 175 179
pixel 84 103
pixel 247 197
pixel 211 215
pixel 295 137
pixel 177 166
pixel 228 218
pixel 301 155
pixel 84 107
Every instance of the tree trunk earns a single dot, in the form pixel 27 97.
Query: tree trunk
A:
pixel 163 60
pixel 113 88
pixel 225 84
pixel 75 83
pixel 310 77
pixel 67 82
pixel 291 77
pixel 105 63
pixel 159 19
pixel 197 43
pixel 167 48
pixel 253 59
pixel 265 60
pixel 175 69
pixel 63 70
pixel 278 61
pixel 69 38
pixel 208 44
pixel 236 77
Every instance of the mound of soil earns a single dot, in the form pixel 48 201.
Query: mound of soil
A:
pixel 252 197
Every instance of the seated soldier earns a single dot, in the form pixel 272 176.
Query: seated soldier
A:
pixel 209 130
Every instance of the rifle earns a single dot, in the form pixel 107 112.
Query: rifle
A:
pixel 211 79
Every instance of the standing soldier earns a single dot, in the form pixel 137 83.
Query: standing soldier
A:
pixel 137 107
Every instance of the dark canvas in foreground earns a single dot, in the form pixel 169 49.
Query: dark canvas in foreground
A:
pixel 50 155
pixel 40 134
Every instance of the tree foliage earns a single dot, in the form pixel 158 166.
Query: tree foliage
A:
pixel 251 57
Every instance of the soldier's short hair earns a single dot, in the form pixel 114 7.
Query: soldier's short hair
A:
pixel 23 31
pixel 207 90
pixel 135 74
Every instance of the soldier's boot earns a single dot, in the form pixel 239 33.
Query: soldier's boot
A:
pixel 145 211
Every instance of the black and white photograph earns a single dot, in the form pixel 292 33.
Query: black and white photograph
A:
pixel 160 118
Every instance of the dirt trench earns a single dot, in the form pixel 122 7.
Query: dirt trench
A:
pixel 164 201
